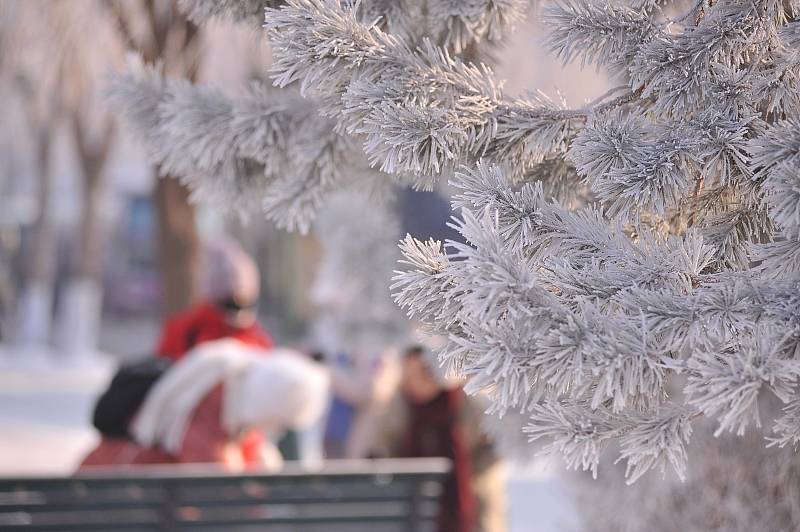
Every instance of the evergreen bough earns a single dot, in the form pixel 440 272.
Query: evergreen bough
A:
pixel 628 266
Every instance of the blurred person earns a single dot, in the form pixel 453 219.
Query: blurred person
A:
pixel 230 287
pixel 361 389
pixel 228 308
pixel 340 413
pixel 432 416
pixel 211 403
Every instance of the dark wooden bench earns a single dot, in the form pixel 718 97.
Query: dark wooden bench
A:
pixel 343 495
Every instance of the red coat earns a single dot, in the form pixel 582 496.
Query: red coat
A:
pixel 205 442
pixel 204 323
pixel 205 439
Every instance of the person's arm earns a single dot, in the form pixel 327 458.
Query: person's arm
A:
pixel 392 429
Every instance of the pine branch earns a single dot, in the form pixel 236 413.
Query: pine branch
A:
pixel 656 441
pixel 611 251
pixel 605 35
pixel 463 23
pixel 423 111
pixel 679 69
pixel 249 12
pixel 729 381
pixel 268 150
pixel 579 434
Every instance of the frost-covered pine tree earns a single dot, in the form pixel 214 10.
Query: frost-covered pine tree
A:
pixel 355 313
pixel 630 265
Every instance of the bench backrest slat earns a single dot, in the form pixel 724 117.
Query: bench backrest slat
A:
pixel 376 495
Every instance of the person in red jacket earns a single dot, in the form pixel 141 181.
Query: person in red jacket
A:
pixel 210 404
pixel 231 287
pixel 228 310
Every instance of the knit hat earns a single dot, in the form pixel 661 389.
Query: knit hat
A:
pixel 229 271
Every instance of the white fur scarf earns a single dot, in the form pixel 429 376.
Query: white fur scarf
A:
pixel 284 389
pixel 163 418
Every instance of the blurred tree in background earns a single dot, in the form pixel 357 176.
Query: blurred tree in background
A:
pixel 56 61
pixel 159 34
pixel 53 63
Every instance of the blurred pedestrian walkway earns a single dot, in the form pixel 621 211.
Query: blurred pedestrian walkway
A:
pixel 45 417
pixel 46 405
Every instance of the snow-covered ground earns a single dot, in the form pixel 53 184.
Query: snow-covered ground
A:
pixel 45 429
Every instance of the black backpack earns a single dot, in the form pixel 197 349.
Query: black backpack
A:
pixel 128 388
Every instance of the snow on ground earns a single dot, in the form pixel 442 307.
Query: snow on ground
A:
pixel 45 414
pixel 540 502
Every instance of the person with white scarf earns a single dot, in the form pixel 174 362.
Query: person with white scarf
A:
pixel 207 403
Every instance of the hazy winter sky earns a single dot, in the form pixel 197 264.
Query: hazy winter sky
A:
pixel 526 65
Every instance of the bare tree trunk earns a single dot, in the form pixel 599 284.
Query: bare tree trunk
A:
pixel 175 41
pixel 36 301
pixel 179 245
pixel 80 307
pixel 93 157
